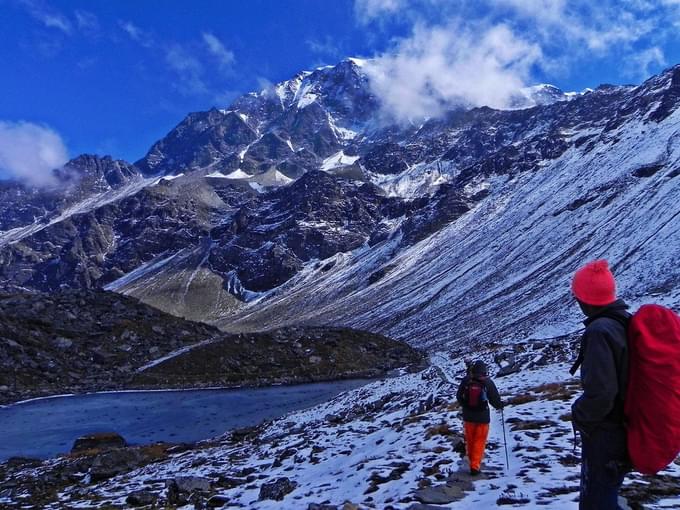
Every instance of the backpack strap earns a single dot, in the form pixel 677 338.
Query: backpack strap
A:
pixel 625 322
pixel 579 359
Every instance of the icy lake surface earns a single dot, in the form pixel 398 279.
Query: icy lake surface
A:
pixel 47 427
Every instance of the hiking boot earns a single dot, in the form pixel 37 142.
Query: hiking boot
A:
pixel 475 472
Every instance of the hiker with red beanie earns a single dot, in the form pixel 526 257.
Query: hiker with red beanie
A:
pixel 475 393
pixel 598 413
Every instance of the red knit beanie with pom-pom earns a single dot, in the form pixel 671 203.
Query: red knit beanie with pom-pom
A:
pixel 594 284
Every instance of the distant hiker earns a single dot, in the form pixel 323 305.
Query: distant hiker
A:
pixel 598 414
pixel 475 393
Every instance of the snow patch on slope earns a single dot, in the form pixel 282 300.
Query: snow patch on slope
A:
pixel 141 271
pixel 419 180
pixel 236 174
pixel 337 160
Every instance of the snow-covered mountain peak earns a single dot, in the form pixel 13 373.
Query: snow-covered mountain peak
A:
pixel 359 62
pixel 538 95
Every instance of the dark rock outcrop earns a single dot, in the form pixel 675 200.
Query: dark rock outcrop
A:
pixel 92 340
pixel 277 489
pixel 101 441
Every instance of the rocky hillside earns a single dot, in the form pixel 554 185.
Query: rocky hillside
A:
pixel 76 341
pixel 82 340
pixel 287 355
pixel 295 205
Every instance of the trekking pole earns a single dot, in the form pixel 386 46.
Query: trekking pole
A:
pixel 505 442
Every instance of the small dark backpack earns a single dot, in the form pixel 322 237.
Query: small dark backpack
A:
pixel 475 394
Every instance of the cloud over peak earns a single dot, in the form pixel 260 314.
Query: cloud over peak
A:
pixel 437 68
pixel 30 152
pixel 46 15
pixel 483 52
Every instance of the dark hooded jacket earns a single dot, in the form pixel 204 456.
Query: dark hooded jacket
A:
pixel 604 369
pixel 479 414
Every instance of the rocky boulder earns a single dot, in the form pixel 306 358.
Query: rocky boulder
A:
pixel 277 489
pixel 114 462
pixel 141 498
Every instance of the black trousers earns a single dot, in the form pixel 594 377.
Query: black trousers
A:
pixel 604 464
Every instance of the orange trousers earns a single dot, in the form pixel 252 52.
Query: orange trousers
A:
pixel 475 442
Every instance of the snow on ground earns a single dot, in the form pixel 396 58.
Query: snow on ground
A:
pixel 337 160
pixel 304 96
pixel 419 180
pixel 141 271
pixel 236 174
pixel 174 354
pixel 257 187
pixel 166 178
pixel 272 177
pixel 359 62
pixel 392 443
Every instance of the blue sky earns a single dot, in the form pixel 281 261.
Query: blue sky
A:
pixel 113 77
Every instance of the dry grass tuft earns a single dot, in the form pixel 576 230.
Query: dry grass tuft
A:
pixel 443 429
pixel 518 400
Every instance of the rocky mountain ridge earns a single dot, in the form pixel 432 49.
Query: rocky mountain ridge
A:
pixel 296 205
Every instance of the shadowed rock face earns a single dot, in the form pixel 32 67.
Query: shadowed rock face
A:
pixel 295 124
pixel 270 238
pixel 93 248
pixel 282 356
pixel 298 191
pixel 82 340
pixel 197 141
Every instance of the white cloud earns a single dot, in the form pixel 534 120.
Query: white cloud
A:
pixel 188 69
pixel 225 57
pixel 581 26
pixel 87 21
pixel 326 46
pixel 136 34
pixel 642 64
pixel 436 68
pixel 48 16
pixel 29 152
pixel 366 10
pixel 187 61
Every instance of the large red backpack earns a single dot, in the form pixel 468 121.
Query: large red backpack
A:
pixel 652 406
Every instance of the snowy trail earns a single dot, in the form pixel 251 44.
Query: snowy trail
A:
pixel 540 463
pixel 526 474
